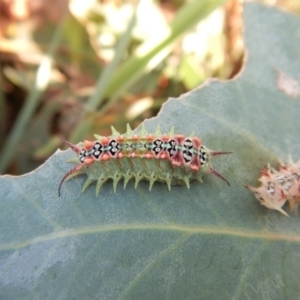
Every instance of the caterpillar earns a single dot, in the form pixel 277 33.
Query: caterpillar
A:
pixel 279 187
pixel 170 158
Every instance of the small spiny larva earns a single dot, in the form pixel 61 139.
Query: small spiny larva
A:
pixel 277 187
pixel 173 159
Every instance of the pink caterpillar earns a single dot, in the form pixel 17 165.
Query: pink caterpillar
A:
pixel 173 159
pixel 277 187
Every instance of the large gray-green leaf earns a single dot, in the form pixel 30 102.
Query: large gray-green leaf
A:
pixel 209 242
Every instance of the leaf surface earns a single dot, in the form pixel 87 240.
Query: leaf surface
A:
pixel 207 242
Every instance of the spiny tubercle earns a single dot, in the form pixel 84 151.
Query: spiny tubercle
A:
pixel 279 187
pixel 184 153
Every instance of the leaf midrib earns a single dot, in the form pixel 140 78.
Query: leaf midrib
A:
pixel 162 227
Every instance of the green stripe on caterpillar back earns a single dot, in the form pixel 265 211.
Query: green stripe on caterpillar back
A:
pixel 170 158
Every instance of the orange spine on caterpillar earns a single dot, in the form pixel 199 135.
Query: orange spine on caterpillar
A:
pixel 173 159
pixel 279 187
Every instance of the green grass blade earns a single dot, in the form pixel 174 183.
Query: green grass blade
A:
pixel 41 82
pixel 2 111
pixel 187 17
pixel 95 100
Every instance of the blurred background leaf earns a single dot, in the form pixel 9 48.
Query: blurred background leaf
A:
pixel 109 62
